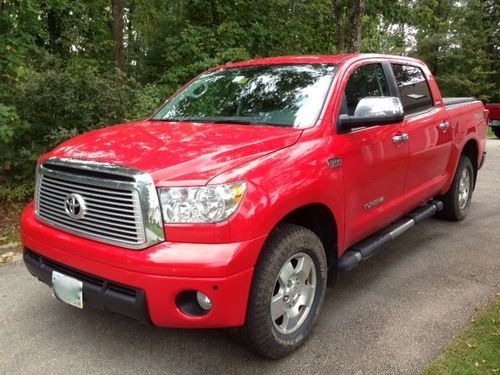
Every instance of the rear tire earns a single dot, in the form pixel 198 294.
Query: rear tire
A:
pixel 457 200
pixel 496 131
pixel 287 292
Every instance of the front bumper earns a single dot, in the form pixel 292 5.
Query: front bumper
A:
pixel 99 293
pixel 159 273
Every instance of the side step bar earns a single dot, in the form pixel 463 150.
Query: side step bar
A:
pixel 376 242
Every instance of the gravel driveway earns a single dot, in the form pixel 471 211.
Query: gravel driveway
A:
pixel 393 314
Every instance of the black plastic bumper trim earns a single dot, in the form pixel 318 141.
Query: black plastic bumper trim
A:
pixel 97 292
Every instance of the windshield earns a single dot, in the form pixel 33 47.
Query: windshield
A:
pixel 281 95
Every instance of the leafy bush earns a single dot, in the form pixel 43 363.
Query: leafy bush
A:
pixel 147 99
pixel 76 97
pixel 55 105
pixel 11 126
pixel 16 192
pixel 9 122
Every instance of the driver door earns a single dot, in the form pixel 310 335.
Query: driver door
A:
pixel 374 160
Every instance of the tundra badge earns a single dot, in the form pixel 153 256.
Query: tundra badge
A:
pixel 373 203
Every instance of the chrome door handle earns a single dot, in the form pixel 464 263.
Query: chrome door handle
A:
pixel 444 125
pixel 400 138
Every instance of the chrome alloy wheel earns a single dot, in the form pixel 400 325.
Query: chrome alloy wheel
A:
pixel 293 294
pixel 464 189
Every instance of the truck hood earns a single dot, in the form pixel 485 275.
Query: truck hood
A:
pixel 177 153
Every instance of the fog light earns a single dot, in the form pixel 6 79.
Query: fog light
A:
pixel 204 302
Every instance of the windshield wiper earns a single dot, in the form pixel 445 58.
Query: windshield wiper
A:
pixel 204 119
pixel 234 121
pixel 187 119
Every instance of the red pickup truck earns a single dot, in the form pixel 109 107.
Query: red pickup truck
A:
pixel 494 111
pixel 250 188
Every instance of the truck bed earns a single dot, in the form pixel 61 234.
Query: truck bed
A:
pixel 456 101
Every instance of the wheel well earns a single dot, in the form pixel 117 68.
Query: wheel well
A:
pixel 471 151
pixel 319 219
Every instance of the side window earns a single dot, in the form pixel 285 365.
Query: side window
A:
pixel 368 80
pixel 413 88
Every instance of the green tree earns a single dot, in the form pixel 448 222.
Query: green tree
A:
pixel 67 67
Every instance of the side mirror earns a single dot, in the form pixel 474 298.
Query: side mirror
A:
pixel 373 111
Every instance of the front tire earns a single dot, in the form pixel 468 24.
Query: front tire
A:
pixel 288 290
pixel 457 200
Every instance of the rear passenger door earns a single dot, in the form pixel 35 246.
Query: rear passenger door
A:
pixel 429 132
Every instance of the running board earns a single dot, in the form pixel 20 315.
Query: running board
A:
pixel 376 242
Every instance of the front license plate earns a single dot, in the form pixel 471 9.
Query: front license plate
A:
pixel 67 289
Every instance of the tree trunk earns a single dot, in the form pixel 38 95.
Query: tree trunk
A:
pixel 293 7
pixel 117 14
pixel 215 13
pixel 55 31
pixel 131 39
pixel 356 12
pixel 339 25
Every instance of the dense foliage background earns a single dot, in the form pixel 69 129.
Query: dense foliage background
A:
pixel 70 66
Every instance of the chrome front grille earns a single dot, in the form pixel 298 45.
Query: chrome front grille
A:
pixel 99 201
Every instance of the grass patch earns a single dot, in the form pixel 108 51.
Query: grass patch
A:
pixel 476 350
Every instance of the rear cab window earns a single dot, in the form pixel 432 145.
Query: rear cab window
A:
pixel 413 88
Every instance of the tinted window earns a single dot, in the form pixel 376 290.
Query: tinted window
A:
pixel 283 95
pixel 413 87
pixel 368 80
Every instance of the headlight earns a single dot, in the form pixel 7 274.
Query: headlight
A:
pixel 204 204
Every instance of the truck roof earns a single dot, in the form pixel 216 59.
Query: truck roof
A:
pixel 312 59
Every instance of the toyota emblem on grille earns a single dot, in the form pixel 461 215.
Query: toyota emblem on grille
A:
pixel 74 205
